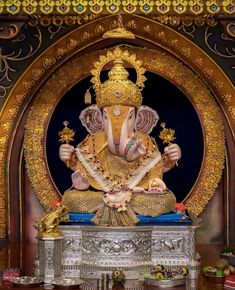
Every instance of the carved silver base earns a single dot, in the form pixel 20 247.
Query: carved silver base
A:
pixel 50 256
pixel 89 251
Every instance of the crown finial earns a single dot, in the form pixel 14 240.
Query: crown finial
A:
pixel 118 72
pixel 118 89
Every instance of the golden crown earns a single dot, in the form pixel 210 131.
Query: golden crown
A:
pixel 118 89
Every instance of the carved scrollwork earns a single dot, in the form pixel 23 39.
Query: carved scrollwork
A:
pixel 9 30
pixel 10 59
pixel 73 245
pixel 10 27
pixel 168 244
pixel 225 48
pixel 230 28
pixel 116 247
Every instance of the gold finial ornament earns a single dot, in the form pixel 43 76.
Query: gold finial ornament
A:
pixel 167 134
pixel 66 135
pixel 118 89
pixel 120 31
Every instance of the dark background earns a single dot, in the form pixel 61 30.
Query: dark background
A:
pixel 173 108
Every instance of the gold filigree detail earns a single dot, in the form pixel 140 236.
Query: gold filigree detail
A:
pixel 66 135
pixel 48 61
pixel 227 98
pixel 72 43
pixel 7 125
pixel 37 73
pixel 34 152
pixel 180 6
pixel 61 51
pixel 96 7
pixel 131 24
pixel 146 6
pixel 167 135
pixel 100 29
pixel 12 111
pixel 3 140
pixel 232 111
pixel 86 35
pixel 20 97
pixel 119 31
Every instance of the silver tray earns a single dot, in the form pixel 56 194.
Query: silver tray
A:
pixel 26 281
pixel 67 283
pixel 165 283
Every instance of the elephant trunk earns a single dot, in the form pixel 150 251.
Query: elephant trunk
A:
pixel 129 147
pixel 134 149
pixel 113 141
pixel 120 131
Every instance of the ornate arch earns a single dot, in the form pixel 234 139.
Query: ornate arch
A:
pixel 81 38
pixel 152 60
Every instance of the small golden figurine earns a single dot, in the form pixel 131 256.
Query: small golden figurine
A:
pixel 66 135
pixel 47 226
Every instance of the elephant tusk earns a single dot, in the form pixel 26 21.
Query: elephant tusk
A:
pixel 102 148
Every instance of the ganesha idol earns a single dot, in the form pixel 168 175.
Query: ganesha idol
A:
pixel 118 168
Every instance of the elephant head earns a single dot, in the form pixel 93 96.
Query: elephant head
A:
pixel 120 124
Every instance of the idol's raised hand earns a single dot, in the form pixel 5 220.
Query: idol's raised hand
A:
pixel 173 151
pixel 65 152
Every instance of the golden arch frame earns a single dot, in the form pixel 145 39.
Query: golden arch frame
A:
pixel 152 60
pixel 85 36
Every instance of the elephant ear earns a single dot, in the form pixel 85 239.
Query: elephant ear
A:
pixel 91 119
pixel 146 119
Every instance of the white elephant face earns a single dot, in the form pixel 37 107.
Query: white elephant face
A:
pixel 119 126
pixel 120 123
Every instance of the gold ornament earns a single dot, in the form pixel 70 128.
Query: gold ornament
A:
pixel 47 226
pixel 119 32
pixel 154 183
pixel 167 134
pixel 118 89
pixel 87 97
pixel 66 135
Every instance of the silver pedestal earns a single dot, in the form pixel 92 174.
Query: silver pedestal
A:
pixel 89 251
pixel 50 257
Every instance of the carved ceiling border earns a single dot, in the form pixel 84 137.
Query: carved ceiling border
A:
pixel 163 7
pixel 75 41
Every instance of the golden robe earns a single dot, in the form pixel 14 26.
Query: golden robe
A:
pixel 117 168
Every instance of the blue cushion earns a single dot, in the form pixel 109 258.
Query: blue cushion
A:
pixel 164 219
